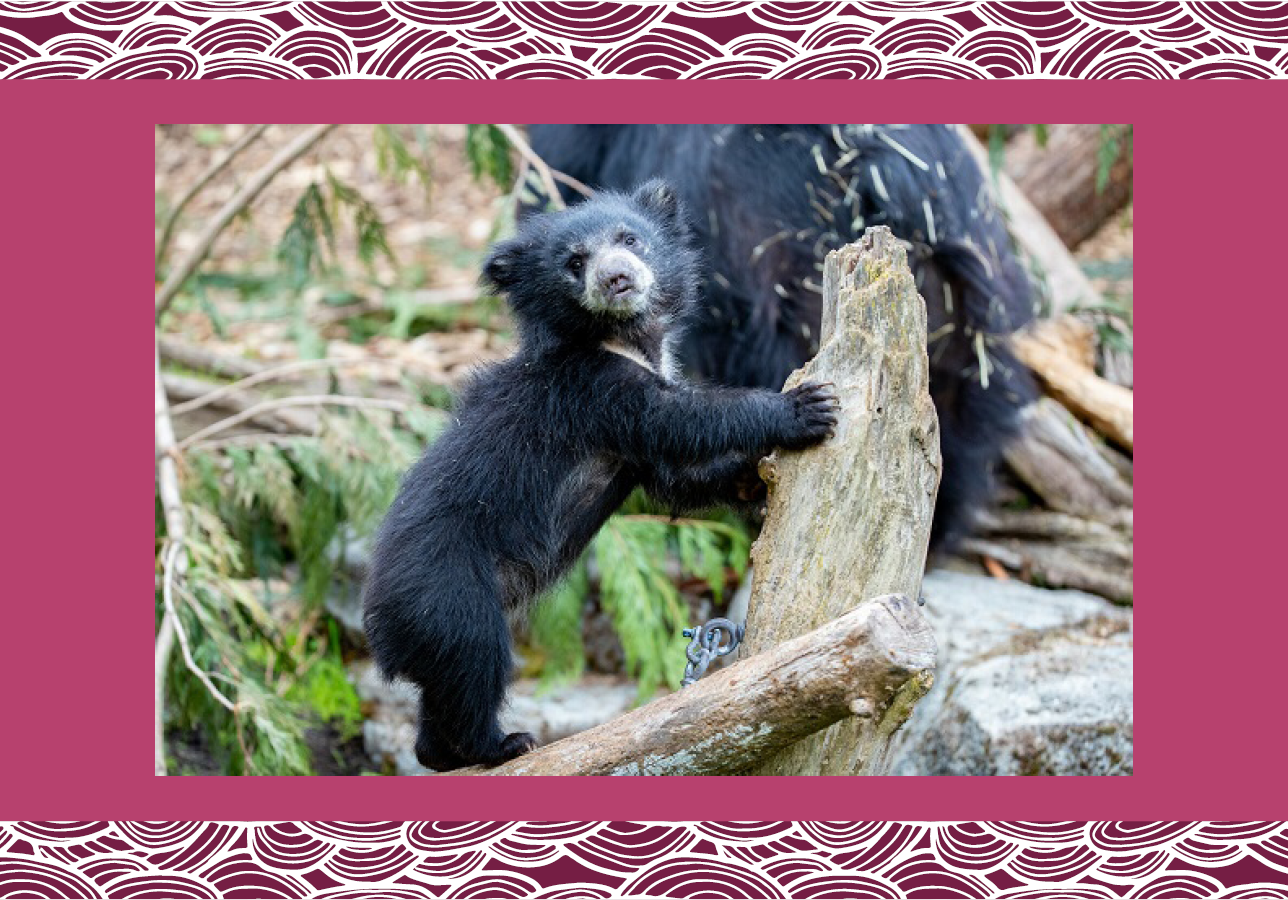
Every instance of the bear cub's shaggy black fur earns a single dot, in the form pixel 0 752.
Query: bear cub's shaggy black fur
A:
pixel 547 444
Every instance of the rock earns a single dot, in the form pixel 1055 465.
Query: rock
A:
pixel 589 702
pixel 344 602
pixel 1030 682
pixel 389 732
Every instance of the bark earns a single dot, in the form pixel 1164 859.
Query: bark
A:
pixel 850 519
pixel 856 666
pixel 1056 457
pixel 1060 178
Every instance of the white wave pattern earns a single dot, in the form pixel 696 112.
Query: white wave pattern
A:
pixel 1079 860
pixel 650 39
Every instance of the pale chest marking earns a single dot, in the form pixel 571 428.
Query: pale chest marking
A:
pixel 666 370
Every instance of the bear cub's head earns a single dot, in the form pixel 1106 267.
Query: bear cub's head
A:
pixel 608 267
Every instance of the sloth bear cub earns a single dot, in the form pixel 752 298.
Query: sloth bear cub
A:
pixel 547 444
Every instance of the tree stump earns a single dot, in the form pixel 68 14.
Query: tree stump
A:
pixel 850 519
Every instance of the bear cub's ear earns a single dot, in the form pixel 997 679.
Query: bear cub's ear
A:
pixel 658 199
pixel 501 269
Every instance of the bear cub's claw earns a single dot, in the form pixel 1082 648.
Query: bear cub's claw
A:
pixel 515 745
pixel 814 409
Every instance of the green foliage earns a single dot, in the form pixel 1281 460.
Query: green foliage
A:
pixel 489 154
pixel 996 149
pixel 638 594
pixel 1115 142
pixel 325 689
pixel 395 158
pixel 313 223
pixel 556 629
pixel 252 511
pixel 299 252
pixel 372 239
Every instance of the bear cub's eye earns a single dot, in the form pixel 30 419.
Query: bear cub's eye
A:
pixel 575 264
pixel 628 240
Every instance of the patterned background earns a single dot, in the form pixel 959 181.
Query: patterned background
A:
pixel 1075 860
pixel 963 40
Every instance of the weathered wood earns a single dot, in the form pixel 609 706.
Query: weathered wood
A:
pixel 1056 457
pixel 850 518
pixel 1043 523
pixel 853 666
pixel 1060 178
pixel 1099 570
pixel 1067 285
pixel 1070 378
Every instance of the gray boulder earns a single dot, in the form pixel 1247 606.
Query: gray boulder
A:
pixel 1030 682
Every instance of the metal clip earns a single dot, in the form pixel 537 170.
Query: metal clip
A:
pixel 717 638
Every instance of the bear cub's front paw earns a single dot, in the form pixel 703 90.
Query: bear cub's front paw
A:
pixel 814 408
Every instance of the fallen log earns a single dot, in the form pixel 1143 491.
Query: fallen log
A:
pixel 1063 465
pixel 1060 177
pixel 1060 566
pixel 1043 523
pixel 854 666
pixel 851 518
pixel 1055 352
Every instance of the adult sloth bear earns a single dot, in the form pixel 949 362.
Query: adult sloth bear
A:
pixel 769 202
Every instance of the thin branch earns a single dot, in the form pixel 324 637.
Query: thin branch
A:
pixel 548 175
pixel 287 402
pixel 175 526
pixel 290 368
pixel 206 177
pixel 239 201
pixel 167 592
pixel 253 440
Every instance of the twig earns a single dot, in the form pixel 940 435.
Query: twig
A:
pixel 548 175
pixel 239 201
pixel 290 368
pixel 171 556
pixel 287 402
pixel 206 177
pixel 252 440
pixel 287 421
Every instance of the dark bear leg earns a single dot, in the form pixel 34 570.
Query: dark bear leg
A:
pixel 975 422
pixel 432 750
pixel 463 676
